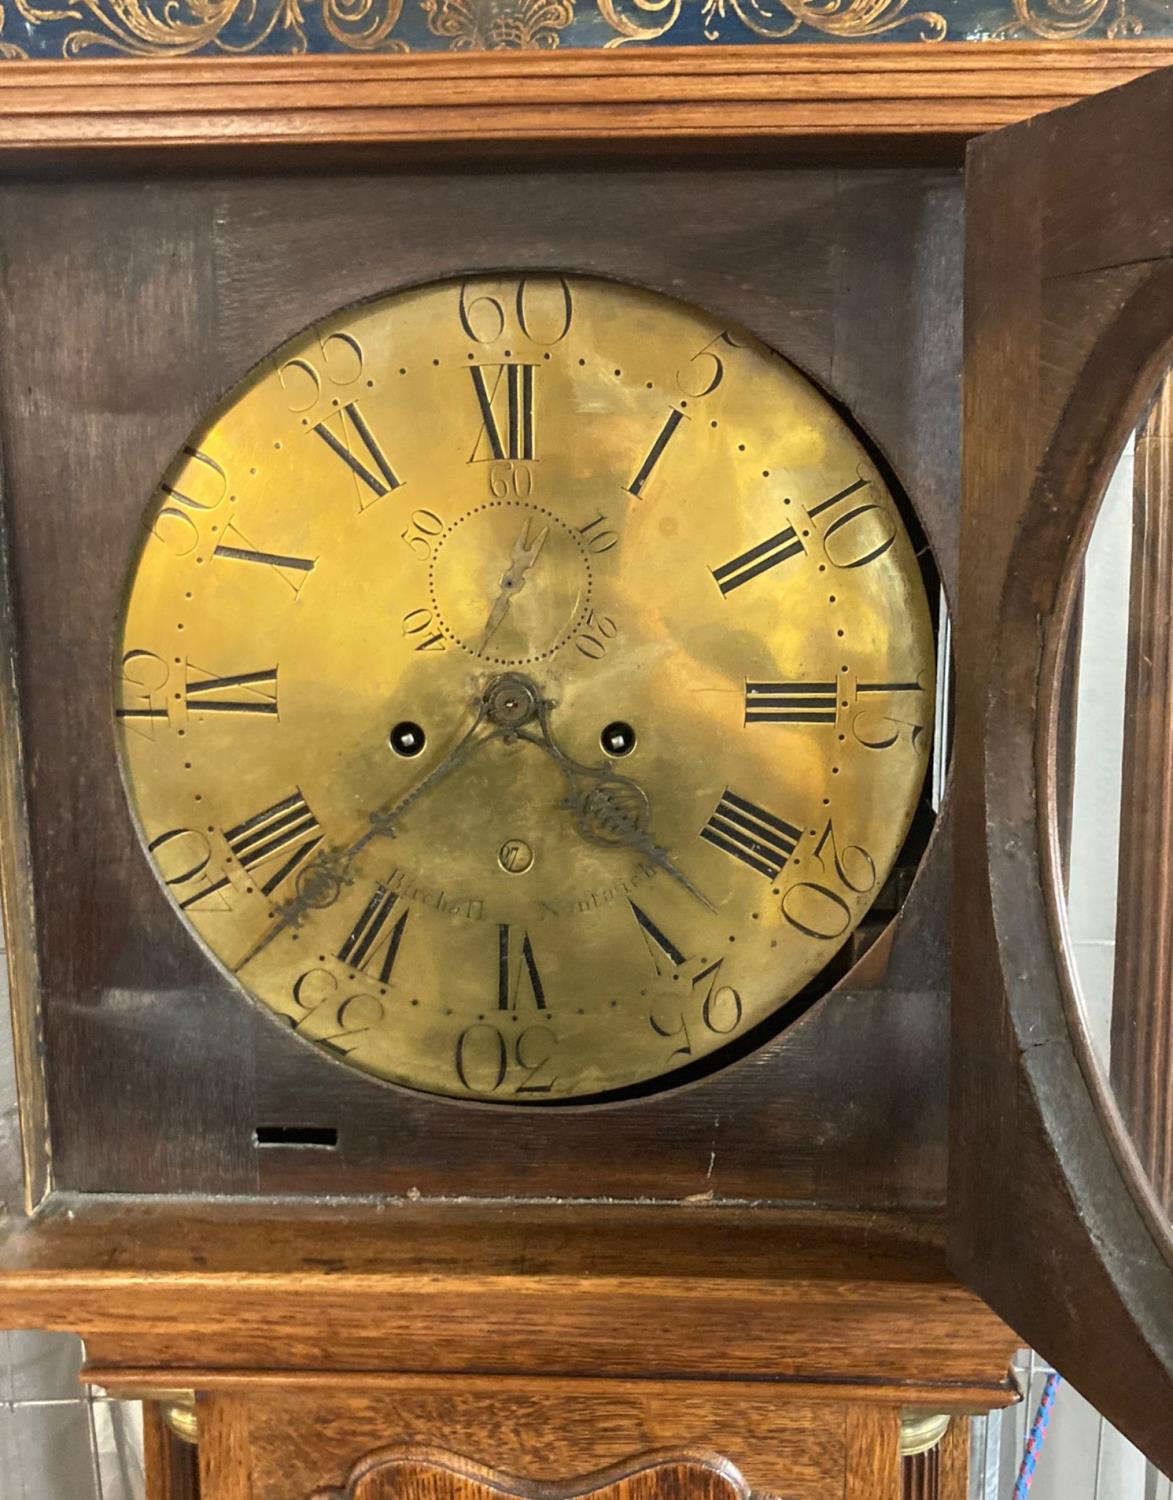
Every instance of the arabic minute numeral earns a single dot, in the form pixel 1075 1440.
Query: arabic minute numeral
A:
pixel 287 832
pixel 706 369
pixel 542 308
pixel 776 549
pixel 421 623
pixel 877 729
pixel 510 478
pixel 758 838
pixel 420 534
pixel 142 692
pixel 336 1022
pixel 791 702
pixel 721 1011
pixel 340 361
pixel 816 908
pixel 196 486
pixel 348 436
pixel 598 536
pixel 183 856
pixel 597 633
pixel 853 534
pixel 484 1059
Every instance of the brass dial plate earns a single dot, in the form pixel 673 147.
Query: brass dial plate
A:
pixel 396 593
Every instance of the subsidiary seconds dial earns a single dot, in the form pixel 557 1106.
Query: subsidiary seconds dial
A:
pixel 524 686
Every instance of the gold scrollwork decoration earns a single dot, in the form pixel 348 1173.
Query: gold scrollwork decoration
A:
pixel 1062 20
pixel 177 28
pixel 776 20
pixel 479 25
pixel 630 29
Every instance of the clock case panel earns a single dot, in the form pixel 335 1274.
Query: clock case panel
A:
pixel 129 306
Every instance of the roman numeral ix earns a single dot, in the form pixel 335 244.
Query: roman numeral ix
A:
pixel 790 702
pixel 752 835
pixel 288 830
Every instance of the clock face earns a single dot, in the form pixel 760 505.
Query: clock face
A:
pixel 524 686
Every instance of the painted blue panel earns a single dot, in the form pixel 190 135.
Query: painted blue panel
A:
pixel 178 28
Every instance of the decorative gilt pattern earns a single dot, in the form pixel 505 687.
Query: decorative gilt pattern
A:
pixel 179 28
pixel 490 25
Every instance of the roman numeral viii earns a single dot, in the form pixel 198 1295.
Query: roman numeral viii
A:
pixel 751 834
pixel 287 831
pixel 790 702
pixel 355 444
pixel 505 398
pixel 768 554
pixel 374 939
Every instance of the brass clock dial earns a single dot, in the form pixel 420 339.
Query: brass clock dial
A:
pixel 524 686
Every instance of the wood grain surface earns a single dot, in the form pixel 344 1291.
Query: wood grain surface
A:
pixel 705 97
pixel 780 1443
pixel 416 1289
pixel 1069 302
pixel 423 1474
pixel 160 1072
pixel 872 1454
pixel 1141 1050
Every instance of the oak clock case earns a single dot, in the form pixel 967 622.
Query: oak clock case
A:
pixel 525 686
pixel 162 1079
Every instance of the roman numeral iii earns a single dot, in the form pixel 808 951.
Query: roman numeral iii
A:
pixel 287 831
pixel 751 834
pixel 355 444
pixel 790 702
pixel 768 554
pixel 505 399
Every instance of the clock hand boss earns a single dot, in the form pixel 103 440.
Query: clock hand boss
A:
pixel 525 554
pixel 614 812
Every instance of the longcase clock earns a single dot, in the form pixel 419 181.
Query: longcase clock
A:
pixel 507 661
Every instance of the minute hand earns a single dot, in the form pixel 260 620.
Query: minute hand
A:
pixel 322 879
